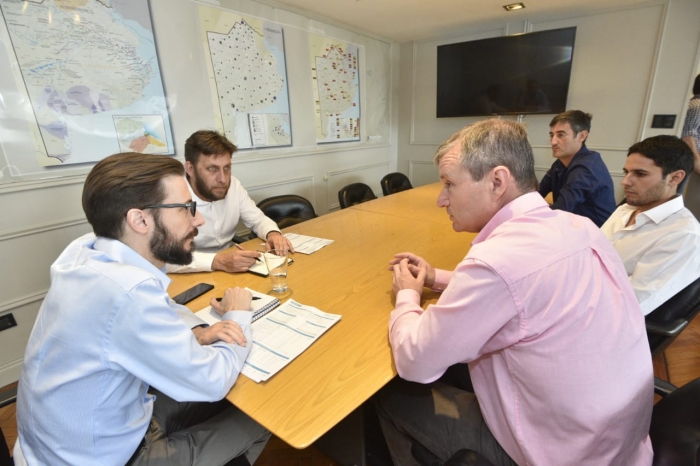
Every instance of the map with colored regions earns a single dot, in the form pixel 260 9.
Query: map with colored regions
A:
pixel 84 63
pixel 336 84
pixel 248 78
pixel 141 133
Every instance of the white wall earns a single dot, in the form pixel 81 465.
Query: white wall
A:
pixel 42 211
pixel 628 65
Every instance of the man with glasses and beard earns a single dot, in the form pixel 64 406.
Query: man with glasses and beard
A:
pixel 113 373
pixel 223 202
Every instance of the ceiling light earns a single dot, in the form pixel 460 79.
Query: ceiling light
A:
pixel 514 6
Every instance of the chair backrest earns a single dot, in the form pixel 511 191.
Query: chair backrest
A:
pixel 355 193
pixel 677 311
pixel 287 210
pixel 675 427
pixel 394 183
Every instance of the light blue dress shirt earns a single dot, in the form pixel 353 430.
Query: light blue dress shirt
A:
pixel 105 332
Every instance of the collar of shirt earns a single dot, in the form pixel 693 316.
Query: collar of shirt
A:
pixel 516 207
pixel 657 215
pixel 123 254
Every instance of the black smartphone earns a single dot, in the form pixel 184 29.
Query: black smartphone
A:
pixel 194 292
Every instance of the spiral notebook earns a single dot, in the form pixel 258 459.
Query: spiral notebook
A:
pixel 259 267
pixel 260 307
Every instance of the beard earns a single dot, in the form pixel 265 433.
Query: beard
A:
pixel 652 195
pixel 205 192
pixel 168 249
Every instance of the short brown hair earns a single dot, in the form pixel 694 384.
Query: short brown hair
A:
pixel 577 119
pixel 490 143
pixel 205 142
pixel 121 182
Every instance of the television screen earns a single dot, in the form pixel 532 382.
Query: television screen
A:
pixel 526 73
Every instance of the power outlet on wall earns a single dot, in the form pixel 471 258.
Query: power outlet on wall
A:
pixel 7 321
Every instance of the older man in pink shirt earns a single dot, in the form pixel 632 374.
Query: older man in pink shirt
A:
pixel 542 311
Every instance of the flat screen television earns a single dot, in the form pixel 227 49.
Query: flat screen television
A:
pixel 520 74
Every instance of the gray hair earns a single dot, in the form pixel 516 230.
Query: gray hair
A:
pixel 490 143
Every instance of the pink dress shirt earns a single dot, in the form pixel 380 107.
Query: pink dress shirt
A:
pixel 542 310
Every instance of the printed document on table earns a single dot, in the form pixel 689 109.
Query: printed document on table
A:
pixel 306 244
pixel 282 335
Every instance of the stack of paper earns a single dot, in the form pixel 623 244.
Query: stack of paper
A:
pixel 307 244
pixel 282 336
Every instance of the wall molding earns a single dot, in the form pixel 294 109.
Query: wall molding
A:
pixel 15 303
pixel 300 179
pixel 413 163
pixel 653 72
pixel 42 183
pixel 257 156
pixel 330 174
pixel 10 372
pixel 336 205
pixel 42 228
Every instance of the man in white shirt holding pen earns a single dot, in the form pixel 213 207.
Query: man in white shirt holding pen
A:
pixel 223 202
pixel 656 236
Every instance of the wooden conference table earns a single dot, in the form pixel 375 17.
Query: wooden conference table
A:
pixel 352 360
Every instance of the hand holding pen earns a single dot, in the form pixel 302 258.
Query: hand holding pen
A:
pixel 235 260
pixel 241 248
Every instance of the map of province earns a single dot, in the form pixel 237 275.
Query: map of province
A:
pixel 248 78
pixel 336 89
pixel 144 134
pixel 83 62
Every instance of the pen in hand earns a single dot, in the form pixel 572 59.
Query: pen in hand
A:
pixel 244 249
pixel 253 298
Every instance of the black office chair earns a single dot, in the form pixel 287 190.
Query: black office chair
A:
pixel 7 397
pixel 287 210
pixel 355 193
pixel 395 183
pixel 675 425
pixel 668 320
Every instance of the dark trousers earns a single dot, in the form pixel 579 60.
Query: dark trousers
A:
pixel 439 416
pixel 198 433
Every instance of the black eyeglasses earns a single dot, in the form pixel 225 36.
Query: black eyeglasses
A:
pixel 192 206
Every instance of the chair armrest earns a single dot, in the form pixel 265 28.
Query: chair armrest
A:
pixel 663 388
pixel 667 329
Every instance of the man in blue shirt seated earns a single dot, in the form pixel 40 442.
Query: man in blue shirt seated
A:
pixel 115 372
pixel 579 181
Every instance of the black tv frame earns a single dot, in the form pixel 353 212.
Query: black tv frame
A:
pixel 543 56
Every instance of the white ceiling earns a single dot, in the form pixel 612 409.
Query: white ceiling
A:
pixel 406 20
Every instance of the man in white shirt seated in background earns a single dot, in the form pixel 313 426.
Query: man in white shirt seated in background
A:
pixel 656 236
pixel 222 201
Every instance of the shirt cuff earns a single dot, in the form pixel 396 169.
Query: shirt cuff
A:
pixel 407 296
pixel 201 262
pixel 442 279
pixel 242 318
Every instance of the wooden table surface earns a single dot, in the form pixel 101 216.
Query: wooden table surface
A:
pixel 350 277
pixel 417 203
